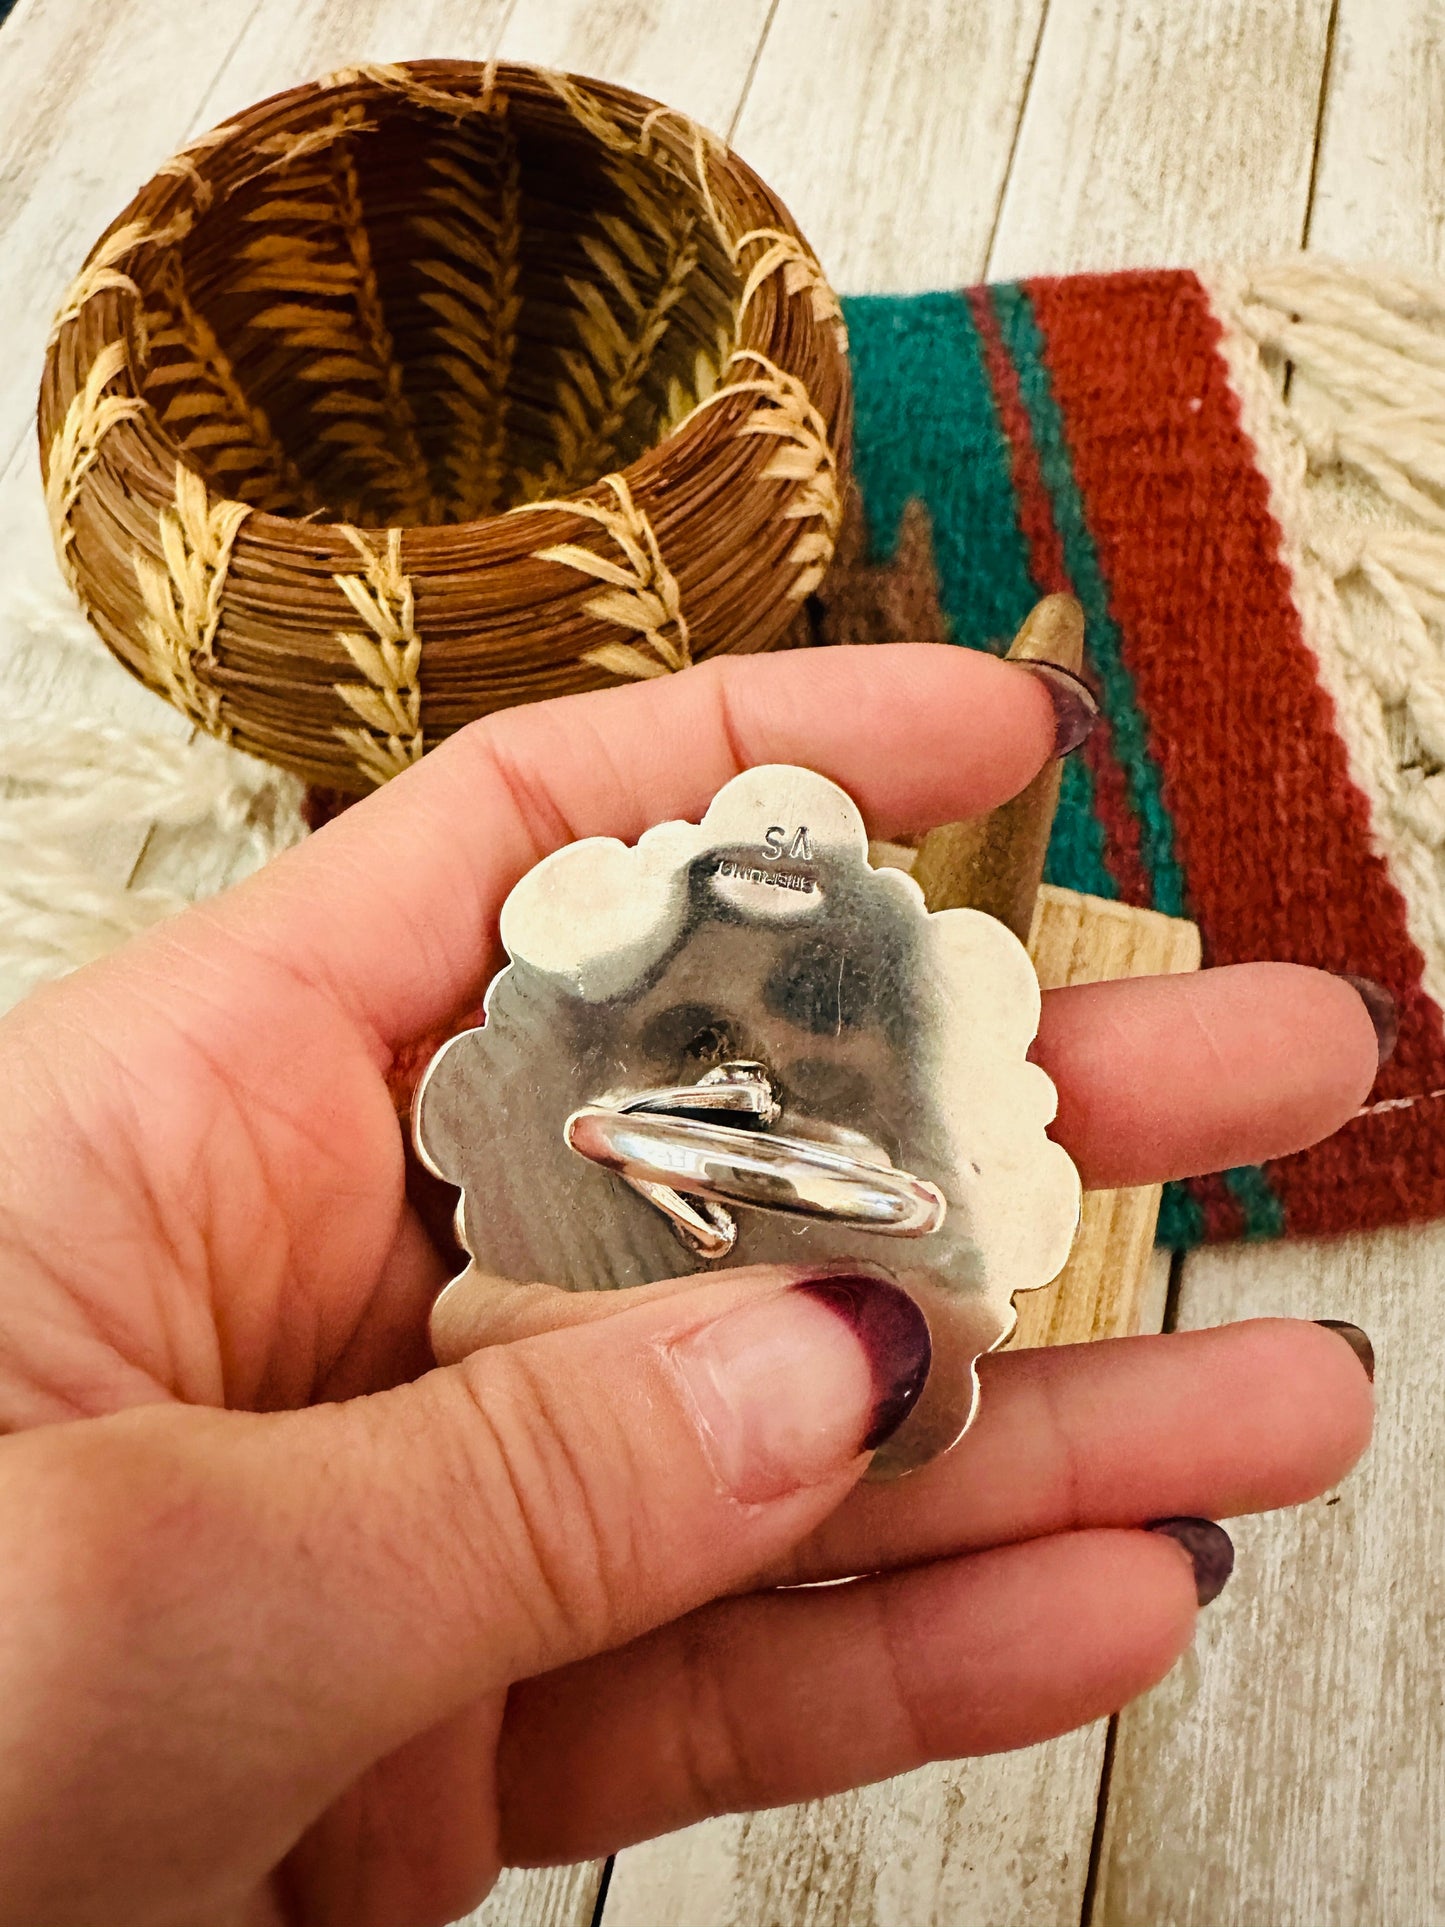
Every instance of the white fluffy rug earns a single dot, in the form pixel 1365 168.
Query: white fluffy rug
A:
pixel 112 811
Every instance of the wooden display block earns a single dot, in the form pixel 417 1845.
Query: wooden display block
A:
pixel 1077 939
pixel 1083 940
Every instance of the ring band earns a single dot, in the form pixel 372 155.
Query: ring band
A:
pixel 755 1169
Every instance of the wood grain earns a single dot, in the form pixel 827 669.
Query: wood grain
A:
pixel 544 1897
pixel 695 60
pixel 887 129
pixel 1291 1771
pixel 976 1844
pixel 92 100
pixel 286 44
pixel 1380 175
pixel 1161 133
pixel 1101 1292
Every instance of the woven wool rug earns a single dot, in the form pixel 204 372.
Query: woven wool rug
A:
pixel 1242 478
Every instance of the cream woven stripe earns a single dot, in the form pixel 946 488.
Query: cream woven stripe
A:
pixel 1355 459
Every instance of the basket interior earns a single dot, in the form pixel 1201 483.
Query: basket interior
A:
pixel 422 320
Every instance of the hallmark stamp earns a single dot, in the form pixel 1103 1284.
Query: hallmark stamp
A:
pixel 798 850
pixel 775 879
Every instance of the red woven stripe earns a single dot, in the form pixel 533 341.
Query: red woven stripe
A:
pixel 1273 835
pixel 1378 1170
pixel 1050 573
pixel 1223 1216
pixel 1031 498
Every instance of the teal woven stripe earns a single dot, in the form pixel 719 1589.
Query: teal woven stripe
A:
pixel 1127 724
pixel 1075 860
pixel 925 428
pixel 1252 1192
pixel 1181 1222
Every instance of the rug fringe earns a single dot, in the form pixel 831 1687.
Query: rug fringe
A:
pixel 64 785
pixel 1340 373
pixel 57 912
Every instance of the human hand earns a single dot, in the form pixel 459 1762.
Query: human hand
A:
pixel 293 1628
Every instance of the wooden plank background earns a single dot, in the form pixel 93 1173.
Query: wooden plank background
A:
pixel 1289 1772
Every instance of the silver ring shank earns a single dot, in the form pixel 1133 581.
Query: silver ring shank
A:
pixel 757 1170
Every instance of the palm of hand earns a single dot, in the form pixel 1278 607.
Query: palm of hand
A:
pixel 220 1217
pixel 245 1242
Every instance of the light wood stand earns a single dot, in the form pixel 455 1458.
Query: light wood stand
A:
pixel 1083 940
pixel 1077 939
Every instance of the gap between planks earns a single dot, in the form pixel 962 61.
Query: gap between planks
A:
pixel 1291 1770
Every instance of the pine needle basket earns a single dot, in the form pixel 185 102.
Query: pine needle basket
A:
pixel 427 389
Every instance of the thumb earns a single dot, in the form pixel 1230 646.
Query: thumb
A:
pixel 326 1583
pixel 559 1495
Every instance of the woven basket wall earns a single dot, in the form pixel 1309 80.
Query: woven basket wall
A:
pixel 424 390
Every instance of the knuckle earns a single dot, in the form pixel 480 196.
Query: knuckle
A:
pixel 909 1715
pixel 504 745
pixel 722 1768
pixel 558 1489
pixel 1063 1453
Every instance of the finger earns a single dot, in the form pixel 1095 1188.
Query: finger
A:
pixel 394 905
pixel 791 1696
pixel 323 1585
pixel 1162 1077
pixel 412 1841
pixel 1207 1424
pixel 1240 1418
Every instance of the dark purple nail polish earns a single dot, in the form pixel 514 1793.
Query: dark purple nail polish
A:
pixel 1075 709
pixel 1208 1545
pixel 1384 1011
pixel 892 1331
pixel 1357 1340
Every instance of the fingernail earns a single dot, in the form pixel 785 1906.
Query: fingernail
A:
pixel 1384 1011
pixel 1357 1340
pixel 893 1332
pixel 1210 1549
pixel 1075 710
pixel 791 1388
